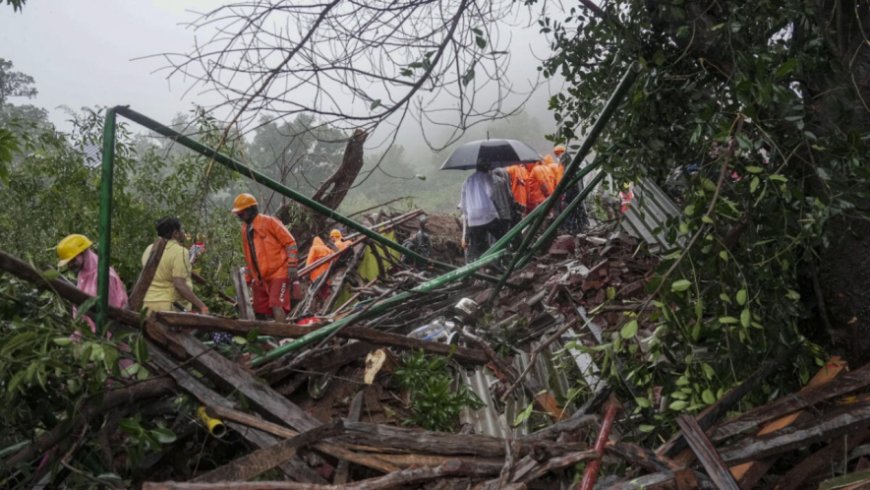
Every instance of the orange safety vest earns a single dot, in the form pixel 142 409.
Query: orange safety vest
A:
pixel 555 167
pixel 540 185
pixel 317 251
pixel 519 176
pixel 271 243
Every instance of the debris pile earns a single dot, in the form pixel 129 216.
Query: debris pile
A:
pixel 340 397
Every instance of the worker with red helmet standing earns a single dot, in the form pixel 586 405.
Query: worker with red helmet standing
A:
pixel 271 257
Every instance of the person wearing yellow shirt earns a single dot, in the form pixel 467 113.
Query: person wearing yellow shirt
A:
pixel 172 286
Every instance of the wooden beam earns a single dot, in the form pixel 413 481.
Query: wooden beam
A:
pixel 376 462
pixel 753 419
pixel 264 459
pixel 137 294
pixel 706 453
pixel 407 477
pixel 370 335
pixel 824 428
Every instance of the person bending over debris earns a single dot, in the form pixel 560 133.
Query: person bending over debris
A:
pixel 479 213
pixel 271 257
pixel 74 251
pixel 318 251
pixel 539 184
pixel 172 288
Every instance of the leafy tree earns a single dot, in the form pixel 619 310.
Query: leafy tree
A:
pixel 769 97
pixel 13 83
pixel 301 154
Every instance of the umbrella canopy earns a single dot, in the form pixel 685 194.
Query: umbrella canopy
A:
pixel 498 153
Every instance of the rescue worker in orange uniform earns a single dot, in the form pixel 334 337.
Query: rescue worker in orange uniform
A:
pixel 540 184
pixel 271 257
pixel 317 251
pixel 519 176
pixel 555 167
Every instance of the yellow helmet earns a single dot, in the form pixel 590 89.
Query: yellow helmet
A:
pixel 559 149
pixel 70 247
pixel 334 234
pixel 243 201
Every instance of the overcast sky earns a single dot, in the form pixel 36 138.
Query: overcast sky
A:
pixel 81 54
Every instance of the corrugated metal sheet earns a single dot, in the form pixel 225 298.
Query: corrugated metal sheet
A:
pixel 648 214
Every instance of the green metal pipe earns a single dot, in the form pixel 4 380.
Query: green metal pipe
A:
pixel 609 108
pixel 426 287
pixel 547 235
pixel 261 178
pixel 105 239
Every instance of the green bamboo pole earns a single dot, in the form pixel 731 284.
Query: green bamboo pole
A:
pixel 609 108
pixel 379 307
pixel 261 178
pixel 105 239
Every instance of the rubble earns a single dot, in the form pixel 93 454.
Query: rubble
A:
pixel 328 414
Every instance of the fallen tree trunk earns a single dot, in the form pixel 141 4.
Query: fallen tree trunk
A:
pixel 262 460
pixel 370 335
pixel 410 476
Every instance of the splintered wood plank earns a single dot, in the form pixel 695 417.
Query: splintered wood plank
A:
pixel 824 428
pixel 748 474
pixel 258 462
pixel 137 294
pixel 227 373
pixel 752 419
pixel 706 453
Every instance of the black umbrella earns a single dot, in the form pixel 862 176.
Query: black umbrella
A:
pixel 498 153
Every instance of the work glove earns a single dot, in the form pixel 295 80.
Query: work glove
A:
pixel 291 274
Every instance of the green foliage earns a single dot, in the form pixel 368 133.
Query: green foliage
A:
pixel 739 90
pixel 435 402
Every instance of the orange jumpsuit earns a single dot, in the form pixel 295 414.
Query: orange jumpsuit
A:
pixel 317 251
pixel 519 176
pixel 540 185
pixel 556 168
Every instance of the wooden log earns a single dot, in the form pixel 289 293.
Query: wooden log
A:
pixel 137 294
pixel 370 335
pixel 824 428
pixel 752 419
pixel 262 460
pixel 407 477
pixel 402 439
pixel 684 479
pixel 706 453
pixel 238 327
pixel 376 462
pixel 65 290
pixel 342 472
